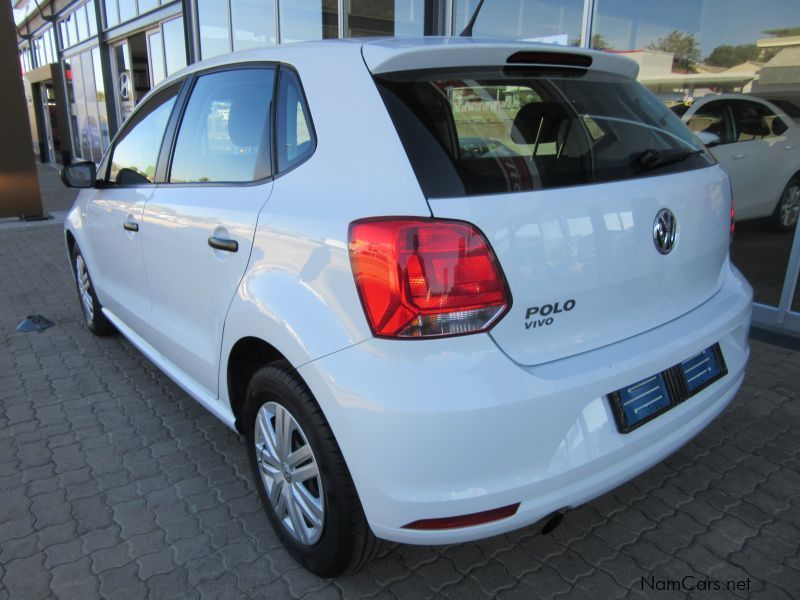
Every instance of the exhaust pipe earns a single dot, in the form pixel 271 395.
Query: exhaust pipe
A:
pixel 553 521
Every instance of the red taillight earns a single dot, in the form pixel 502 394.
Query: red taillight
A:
pixel 486 516
pixel 420 278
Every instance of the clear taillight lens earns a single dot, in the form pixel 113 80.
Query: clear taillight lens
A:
pixel 426 277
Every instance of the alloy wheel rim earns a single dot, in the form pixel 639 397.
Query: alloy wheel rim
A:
pixel 289 473
pixel 84 288
pixel 790 206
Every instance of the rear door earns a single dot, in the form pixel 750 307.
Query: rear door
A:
pixel 114 213
pixel 200 223
pixel 566 172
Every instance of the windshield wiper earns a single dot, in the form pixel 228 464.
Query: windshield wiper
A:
pixel 653 159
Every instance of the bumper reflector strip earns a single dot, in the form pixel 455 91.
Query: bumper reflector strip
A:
pixel 478 518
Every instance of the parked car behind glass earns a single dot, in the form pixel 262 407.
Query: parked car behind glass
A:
pixel 758 145
pixel 431 324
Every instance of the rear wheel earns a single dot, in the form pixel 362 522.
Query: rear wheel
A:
pixel 301 476
pixel 788 209
pixel 92 311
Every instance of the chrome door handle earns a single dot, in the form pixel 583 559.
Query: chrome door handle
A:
pixel 130 226
pixel 223 244
pixel 739 156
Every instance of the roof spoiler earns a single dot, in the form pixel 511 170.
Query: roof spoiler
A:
pixel 394 55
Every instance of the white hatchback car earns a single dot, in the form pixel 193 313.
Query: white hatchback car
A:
pixel 445 288
pixel 758 145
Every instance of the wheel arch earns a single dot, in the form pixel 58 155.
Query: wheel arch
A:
pixel 246 357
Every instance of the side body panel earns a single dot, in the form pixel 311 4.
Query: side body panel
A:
pixel 298 293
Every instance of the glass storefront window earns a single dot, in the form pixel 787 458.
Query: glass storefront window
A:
pixel 81 23
pixel 112 13
pixel 303 20
pixel 146 5
pixel 100 92
pixel 65 41
pixel 552 21
pixel 697 33
pixel 174 45
pixel 68 78
pixel 212 16
pixel 72 26
pixel 90 134
pixel 158 70
pixel 385 17
pixel 82 148
pixel 409 17
pixel 125 91
pixel 370 18
pixel 689 52
pixel 127 10
pixel 253 23
pixel 91 15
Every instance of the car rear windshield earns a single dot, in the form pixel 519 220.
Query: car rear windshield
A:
pixel 489 131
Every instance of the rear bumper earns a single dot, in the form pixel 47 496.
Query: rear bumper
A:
pixel 451 427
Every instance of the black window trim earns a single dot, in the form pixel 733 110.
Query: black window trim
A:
pixel 167 152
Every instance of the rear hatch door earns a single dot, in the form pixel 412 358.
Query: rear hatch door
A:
pixel 607 215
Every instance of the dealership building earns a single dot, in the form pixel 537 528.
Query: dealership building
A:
pixel 87 63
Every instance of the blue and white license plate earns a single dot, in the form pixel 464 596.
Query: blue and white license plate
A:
pixel 644 400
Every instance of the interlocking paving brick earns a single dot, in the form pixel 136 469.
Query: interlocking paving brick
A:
pixel 114 483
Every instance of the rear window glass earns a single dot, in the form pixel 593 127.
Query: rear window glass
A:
pixel 489 131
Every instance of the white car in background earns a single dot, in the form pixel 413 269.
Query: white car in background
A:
pixel 758 145
pixel 446 289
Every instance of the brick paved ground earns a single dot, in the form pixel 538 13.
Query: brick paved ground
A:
pixel 114 483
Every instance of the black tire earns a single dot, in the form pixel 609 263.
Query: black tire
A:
pixel 784 218
pixel 91 308
pixel 346 542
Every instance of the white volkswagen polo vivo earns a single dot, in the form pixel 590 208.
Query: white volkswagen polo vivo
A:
pixel 445 288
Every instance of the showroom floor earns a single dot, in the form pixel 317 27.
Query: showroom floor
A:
pixel 114 483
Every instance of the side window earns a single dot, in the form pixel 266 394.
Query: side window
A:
pixel 224 135
pixel 296 139
pixel 135 154
pixel 714 118
pixel 756 122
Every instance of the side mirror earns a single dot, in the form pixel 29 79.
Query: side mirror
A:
pixel 79 175
pixel 708 138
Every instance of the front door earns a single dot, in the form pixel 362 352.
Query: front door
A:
pixel 114 214
pixel 199 226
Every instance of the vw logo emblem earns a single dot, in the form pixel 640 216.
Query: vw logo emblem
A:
pixel 665 230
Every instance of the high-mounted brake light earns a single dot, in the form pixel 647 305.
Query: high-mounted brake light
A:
pixel 426 277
